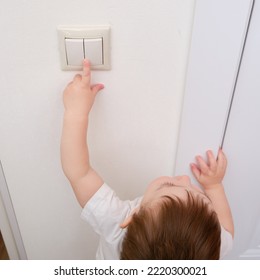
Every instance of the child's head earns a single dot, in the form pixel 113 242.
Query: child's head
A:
pixel 175 221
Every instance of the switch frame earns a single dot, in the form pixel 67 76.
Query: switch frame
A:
pixel 84 32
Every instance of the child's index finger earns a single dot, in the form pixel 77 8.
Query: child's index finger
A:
pixel 86 70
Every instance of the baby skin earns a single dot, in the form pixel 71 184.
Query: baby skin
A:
pixel 78 98
pixel 209 174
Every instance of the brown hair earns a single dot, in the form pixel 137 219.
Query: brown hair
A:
pixel 180 230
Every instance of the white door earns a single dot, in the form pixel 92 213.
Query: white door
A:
pixel 222 107
pixel 242 146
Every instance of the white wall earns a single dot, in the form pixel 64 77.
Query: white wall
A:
pixel 134 123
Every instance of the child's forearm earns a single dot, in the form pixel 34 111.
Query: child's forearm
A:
pixel 74 149
pixel 221 206
pixel 78 98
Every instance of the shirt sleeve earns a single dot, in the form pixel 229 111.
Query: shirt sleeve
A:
pixel 105 212
pixel 226 242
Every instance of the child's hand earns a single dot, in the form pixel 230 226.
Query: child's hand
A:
pixel 210 174
pixel 79 95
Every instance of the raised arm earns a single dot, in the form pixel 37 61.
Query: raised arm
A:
pixel 78 98
pixel 210 175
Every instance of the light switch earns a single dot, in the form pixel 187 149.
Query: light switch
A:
pixel 94 50
pixel 74 51
pixel 77 42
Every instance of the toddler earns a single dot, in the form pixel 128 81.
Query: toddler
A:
pixel 173 220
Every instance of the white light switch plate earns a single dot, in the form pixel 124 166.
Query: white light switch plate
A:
pixel 95 33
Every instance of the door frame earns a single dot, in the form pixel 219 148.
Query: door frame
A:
pixel 8 222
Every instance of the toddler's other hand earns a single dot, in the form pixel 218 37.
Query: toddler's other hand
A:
pixel 79 95
pixel 211 173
